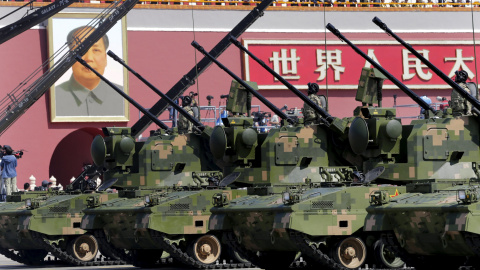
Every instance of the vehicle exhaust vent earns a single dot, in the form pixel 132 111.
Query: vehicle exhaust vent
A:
pixel 322 205
pixel 180 207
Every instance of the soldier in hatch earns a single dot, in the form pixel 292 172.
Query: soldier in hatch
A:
pixel 185 126
pixel 309 114
pixel 458 104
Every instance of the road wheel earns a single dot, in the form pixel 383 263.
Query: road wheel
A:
pixel 350 252
pixel 385 257
pixel 205 249
pixel 84 247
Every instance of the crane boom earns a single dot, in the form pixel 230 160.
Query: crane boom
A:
pixel 20 99
pixel 41 14
pixel 188 79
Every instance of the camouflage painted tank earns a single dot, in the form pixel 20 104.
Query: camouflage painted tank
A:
pixel 436 224
pixel 35 223
pixel 177 185
pixel 166 185
pixel 303 194
pixel 175 181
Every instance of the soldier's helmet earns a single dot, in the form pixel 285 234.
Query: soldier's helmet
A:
pixel 461 76
pixel 186 101
pixel 312 88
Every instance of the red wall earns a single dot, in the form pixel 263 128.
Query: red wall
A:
pixel 60 149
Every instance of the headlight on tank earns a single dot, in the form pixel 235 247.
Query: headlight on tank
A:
pixel 151 200
pixel 220 199
pixel 379 197
pixel 290 198
pixel 147 200
pixel 28 203
pixel 31 204
pixel 93 201
pixel 467 196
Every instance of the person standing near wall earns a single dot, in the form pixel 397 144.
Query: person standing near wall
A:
pixel 9 170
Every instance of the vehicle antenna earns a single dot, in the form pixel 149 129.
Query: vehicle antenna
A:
pixel 326 54
pixel 474 48
pixel 196 62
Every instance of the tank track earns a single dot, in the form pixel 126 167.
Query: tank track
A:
pixel 116 254
pixel 391 240
pixel 180 256
pixel 473 241
pixel 10 254
pixel 252 257
pixel 110 251
pixel 314 253
pixel 415 260
pixel 67 258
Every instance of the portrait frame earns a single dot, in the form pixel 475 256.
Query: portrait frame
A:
pixel 58 28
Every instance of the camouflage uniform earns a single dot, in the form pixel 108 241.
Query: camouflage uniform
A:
pixel 309 114
pixel 458 103
pixel 184 125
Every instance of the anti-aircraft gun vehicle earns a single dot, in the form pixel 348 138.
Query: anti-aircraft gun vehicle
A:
pixel 377 144
pixel 174 179
pixel 301 196
pixel 435 224
pixel 36 223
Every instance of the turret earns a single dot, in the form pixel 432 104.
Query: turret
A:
pixel 438 149
pixel 291 155
pixel 336 124
pixel 454 85
pixel 165 160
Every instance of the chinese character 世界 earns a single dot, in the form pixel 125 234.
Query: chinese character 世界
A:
pixel 329 59
pixel 286 61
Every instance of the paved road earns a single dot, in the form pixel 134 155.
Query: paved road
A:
pixel 6 263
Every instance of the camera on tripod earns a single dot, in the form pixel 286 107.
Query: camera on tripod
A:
pixel 260 116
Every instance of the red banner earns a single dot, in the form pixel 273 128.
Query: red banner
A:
pixel 304 61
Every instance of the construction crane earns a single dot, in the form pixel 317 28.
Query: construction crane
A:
pixel 35 85
pixel 39 15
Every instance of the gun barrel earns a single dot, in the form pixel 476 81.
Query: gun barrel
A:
pixel 292 88
pixel 177 107
pixel 399 84
pixel 250 89
pixel 124 95
pixel 437 71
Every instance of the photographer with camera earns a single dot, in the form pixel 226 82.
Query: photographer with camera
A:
pixel 9 171
pixel 260 119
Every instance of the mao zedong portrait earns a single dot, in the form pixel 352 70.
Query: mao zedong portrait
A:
pixel 85 94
